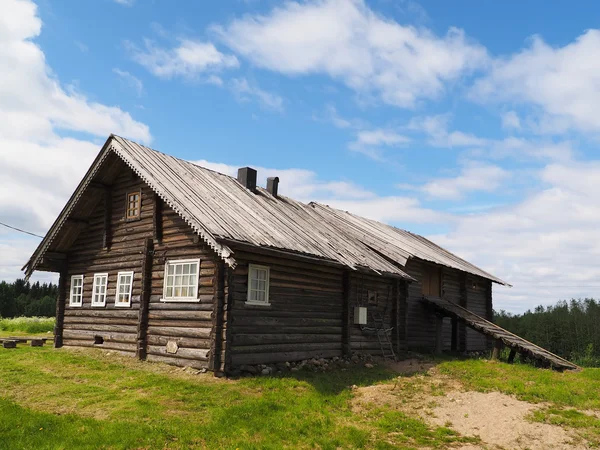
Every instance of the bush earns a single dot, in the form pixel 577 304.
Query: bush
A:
pixel 586 359
pixel 28 324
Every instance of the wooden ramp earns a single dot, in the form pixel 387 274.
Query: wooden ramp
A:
pixel 514 342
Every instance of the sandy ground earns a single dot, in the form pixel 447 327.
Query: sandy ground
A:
pixel 499 420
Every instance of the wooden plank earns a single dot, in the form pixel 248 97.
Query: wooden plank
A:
pixel 142 326
pixel 158 219
pixel 346 315
pixel 60 308
pixel 216 334
pixel 501 336
pixel 498 345
pixel 107 232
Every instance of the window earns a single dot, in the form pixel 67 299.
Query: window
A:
pixel 432 281
pixel 124 285
pixel 181 280
pixel 76 298
pixel 99 289
pixel 258 285
pixel 133 205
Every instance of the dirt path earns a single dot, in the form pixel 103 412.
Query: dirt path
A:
pixel 499 420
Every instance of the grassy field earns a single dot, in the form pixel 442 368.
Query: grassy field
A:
pixel 67 399
pixel 30 326
pixel 53 399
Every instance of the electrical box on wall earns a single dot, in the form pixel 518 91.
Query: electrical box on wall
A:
pixel 360 315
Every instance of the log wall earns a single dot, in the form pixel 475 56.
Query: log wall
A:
pixel 304 317
pixel 188 325
pixel 361 286
pixel 477 303
pixel 420 322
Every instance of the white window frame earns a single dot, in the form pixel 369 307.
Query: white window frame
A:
pixel 72 295
pixel 267 283
pixel 190 298
pixel 122 304
pixel 97 277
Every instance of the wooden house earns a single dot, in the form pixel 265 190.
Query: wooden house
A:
pixel 173 262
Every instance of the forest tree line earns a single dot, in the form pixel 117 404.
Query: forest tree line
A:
pixel 21 298
pixel 569 329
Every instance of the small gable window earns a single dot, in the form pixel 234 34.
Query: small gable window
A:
pixel 124 287
pixel 258 285
pixel 432 281
pixel 181 280
pixel 76 297
pixel 99 289
pixel 134 203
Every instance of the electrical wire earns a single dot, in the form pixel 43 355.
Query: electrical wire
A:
pixel 21 231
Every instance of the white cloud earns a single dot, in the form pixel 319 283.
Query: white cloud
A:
pixel 561 83
pixel 381 137
pixel 372 142
pixel 436 127
pixel 125 2
pixel 189 59
pixel 131 80
pixel 39 166
pixel 511 121
pixel 474 177
pixel 548 245
pixel 346 40
pixel 244 91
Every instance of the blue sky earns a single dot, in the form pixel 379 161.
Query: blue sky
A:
pixel 475 124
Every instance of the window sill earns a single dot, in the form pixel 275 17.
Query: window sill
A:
pixel 99 306
pixel 257 304
pixel 122 305
pixel 180 300
pixel 75 305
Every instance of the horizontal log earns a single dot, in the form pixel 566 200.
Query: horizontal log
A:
pixel 277 312
pixel 279 348
pixel 107 328
pixel 100 320
pixel 105 313
pixel 285 321
pixel 185 353
pixel 182 342
pixel 174 361
pixel 286 329
pixel 258 339
pixel 107 336
pixel 156 305
pixel 266 358
pixel 180 332
pixel 180 323
pixel 183 315
pixel 120 346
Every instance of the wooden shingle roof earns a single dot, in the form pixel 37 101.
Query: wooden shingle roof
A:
pixel 223 212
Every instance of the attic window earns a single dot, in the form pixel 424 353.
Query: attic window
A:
pixel 133 205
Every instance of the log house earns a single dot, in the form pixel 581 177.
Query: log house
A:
pixel 171 262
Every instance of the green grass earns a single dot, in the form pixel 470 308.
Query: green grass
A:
pixel 26 325
pixel 53 399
